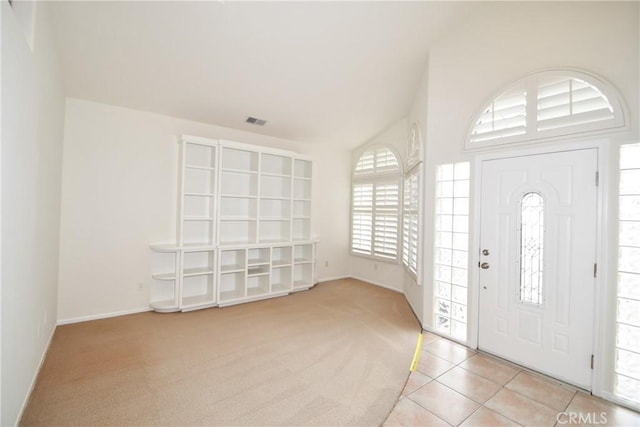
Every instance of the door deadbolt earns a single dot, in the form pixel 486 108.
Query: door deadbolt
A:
pixel 485 252
pixel 484 265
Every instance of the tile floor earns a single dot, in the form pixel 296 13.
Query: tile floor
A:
pixel 455 386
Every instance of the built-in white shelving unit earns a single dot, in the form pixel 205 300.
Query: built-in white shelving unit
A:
pixel 243 227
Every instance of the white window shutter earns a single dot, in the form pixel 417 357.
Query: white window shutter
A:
pixel 375 204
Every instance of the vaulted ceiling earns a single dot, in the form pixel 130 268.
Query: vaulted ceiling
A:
pixel 318 72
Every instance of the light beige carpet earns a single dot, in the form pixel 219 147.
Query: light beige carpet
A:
pixel 338 354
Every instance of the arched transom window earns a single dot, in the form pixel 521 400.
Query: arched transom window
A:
pixel 547 105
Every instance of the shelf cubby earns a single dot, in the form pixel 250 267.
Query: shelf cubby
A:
pixel 274 231
pixel 232 286
pixel 238 208
pixel 301 209
pixel 197 231
pixel 234 183
pixel 199 156
pixel 257 285
pixel 197 290
pixel 303 254
pixel 301 229
pixel 258 256
pixel 302 168
pixel 278 187
pixel 281 279
pixel 281 256
pixel 275 209
pixel 199 181
pixel 233 260
pixel 239 160
pixel 237 231
pixel 164 291
pixel 196 205
pixel 275 165
pixel 302 276
pixel 301 189
pixel 198 269
pixel 258 270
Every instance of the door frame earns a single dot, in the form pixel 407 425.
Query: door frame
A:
pixel 602 290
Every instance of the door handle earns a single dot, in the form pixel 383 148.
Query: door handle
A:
pixel 484 265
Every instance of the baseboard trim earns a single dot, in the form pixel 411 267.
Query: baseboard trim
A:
pixel 35 375
pixel 330 279
pixel 382 285
pixel 102 316
pixel 414 312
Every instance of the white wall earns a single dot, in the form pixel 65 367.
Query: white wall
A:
pixel 500 43
pixel 119 195
pixel 32 134
pixel 379 272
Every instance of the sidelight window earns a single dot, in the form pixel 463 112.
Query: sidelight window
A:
pixel 627 352
pixel 451 249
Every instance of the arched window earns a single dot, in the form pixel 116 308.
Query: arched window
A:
pixel 375 204
pixel 544 105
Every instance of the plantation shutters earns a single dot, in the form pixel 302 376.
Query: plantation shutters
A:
pixel 545 105
pixel 385 235
pixel 362 218
pixel 505 116
pixel 376 204
pixel 410 218
pixel 564 102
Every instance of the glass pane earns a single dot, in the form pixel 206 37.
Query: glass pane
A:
pixel 629 155
pixel 461 241
pixel 444 206
pixel 459 276
pixel 444 223
pixel 443 272
pixel 629 311
pixel 444 189
pixel 442 324
pixel 443 239
pixel 531 248
pixel 461 188
pixel 459 259
pixel 627 363
pixel 629 259
pixel 628 337
pixel 459 312
pixel 443 290
pixel 627 387
pixel 461 206
pixel 461 223
pixel 630 208
pixel 630 181
pixel 459 330
pixel 459 294
pixel 461 170
pixel 443 256
pixel 444 307
pixel 445 172
pixel 629 285
pixel 629 233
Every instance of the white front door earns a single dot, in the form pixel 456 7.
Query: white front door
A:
pixel 538 249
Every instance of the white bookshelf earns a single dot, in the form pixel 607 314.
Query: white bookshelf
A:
pixel 243 227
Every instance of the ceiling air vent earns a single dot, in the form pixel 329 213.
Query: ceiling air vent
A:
pixel 254 121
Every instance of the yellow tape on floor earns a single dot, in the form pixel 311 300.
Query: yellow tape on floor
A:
pixel 416 355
